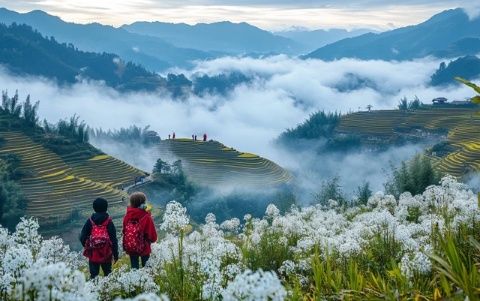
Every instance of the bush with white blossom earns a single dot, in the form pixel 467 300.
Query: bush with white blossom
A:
pixel 316 252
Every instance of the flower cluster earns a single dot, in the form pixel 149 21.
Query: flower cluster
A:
pixel 124 282
pixel 34 268
pixel 255 286
pixel 175 218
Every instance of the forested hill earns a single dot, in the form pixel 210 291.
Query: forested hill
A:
pixel 467 67
pixel 25 51
pixel 145 50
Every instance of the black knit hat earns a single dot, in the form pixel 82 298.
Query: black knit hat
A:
pixel 100 205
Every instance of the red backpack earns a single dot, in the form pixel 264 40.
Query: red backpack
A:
pixel 98 247
pixel 133 237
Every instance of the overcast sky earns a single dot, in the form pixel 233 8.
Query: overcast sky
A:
pixel 268 14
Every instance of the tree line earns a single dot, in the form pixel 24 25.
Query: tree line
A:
pixel 132 135
pixel 25 116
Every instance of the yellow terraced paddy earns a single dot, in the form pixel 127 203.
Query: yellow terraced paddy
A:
pixel 212 163
pixel 60 185
pixel 461 124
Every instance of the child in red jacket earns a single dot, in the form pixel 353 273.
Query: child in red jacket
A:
pixel 138 230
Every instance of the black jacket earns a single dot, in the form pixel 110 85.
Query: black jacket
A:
pixel 98 218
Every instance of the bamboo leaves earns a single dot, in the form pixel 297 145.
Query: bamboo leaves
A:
pixel 475 99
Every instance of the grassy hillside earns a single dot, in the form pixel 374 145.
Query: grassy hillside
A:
pixel 456 125
pixel 58 185
pixel 212 163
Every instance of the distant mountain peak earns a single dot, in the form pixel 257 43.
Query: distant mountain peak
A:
pixel 39 12
pixel 410 42
pixel 221 37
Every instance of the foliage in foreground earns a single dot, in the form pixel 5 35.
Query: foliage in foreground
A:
pixel 475 99
pixel 422 247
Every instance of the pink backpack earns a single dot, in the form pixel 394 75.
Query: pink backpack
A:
pixel 98 247
pixel 133 237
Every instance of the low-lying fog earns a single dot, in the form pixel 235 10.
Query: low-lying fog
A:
pixel 283 93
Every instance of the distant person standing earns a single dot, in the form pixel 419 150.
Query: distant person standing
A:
pixel 173 136
pixel 138 230
pixel 169 136
pixel 99 240
pixel 204 137
pixel 195 138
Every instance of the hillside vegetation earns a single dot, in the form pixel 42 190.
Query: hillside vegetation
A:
pixel 60 175
pixel 212 163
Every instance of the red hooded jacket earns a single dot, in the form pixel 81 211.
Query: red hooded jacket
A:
pixel 147 226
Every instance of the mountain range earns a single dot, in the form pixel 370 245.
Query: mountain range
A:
pixel 158 46
pixel 150 52
pixel 310 40
pixel 220 37
pixel 68 52
pixel 447 34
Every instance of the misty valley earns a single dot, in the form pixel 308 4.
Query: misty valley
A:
pixel 232 160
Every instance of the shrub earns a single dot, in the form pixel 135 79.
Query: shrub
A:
pixel 330 190
pixel 413 176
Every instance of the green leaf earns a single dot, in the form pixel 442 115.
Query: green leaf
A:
pixel 470 84
pixel 476 100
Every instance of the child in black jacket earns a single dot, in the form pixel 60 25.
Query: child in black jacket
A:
pixel 98 257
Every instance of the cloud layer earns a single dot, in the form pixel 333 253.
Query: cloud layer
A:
pixel 283 93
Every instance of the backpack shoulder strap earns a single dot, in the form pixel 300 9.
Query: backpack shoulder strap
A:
pixel 107 221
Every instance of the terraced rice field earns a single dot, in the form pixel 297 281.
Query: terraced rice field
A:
pixel 461 124
pixel 59 186
pixel 212 163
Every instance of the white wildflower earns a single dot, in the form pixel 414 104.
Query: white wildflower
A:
pixel 231 225
pixel 175 218
pixel 146 297
pixel 255 286
pixel 272 210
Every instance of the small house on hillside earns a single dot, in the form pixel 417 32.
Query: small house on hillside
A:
pixel 439 101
